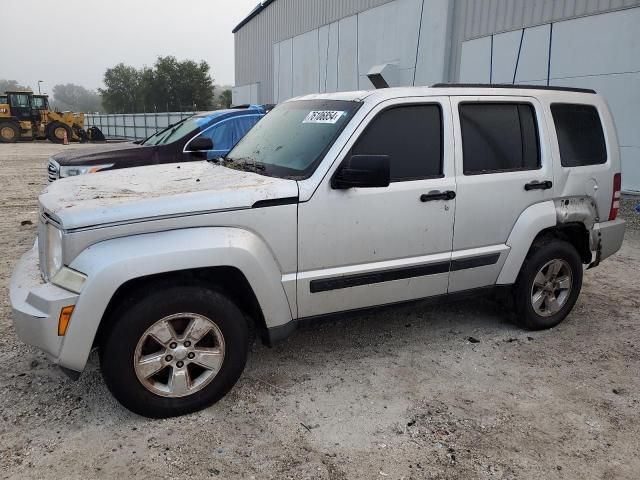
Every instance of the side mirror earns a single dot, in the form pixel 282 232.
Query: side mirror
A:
pixel 363 171
pixel 200 144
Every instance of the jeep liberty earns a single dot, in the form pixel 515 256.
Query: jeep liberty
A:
pixel 332 203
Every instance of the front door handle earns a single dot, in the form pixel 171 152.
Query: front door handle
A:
pixel 430 197
pixel 546 185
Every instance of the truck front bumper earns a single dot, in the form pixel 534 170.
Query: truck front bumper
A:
pixel 36 306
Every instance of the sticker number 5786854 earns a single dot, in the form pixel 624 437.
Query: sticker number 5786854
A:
pixel 323 116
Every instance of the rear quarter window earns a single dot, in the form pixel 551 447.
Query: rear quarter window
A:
pixel 580 136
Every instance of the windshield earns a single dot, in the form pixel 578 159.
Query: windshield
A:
pixel 177 131
pixel 292 139
pixel 20 100
pixel 39 103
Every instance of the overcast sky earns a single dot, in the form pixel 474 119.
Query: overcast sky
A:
pixel 75 41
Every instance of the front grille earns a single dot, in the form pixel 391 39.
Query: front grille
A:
pixel 53 171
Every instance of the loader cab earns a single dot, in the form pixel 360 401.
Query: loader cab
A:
pixel 5 111
pixel 20 104
pixel 40 102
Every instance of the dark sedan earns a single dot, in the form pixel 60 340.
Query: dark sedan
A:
pixel 201 136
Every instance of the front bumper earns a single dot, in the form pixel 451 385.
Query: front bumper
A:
pixel 36 306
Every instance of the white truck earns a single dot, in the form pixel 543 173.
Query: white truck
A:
pixel 332 203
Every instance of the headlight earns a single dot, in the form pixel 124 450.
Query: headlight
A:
pixel 54 250
pixel 72 171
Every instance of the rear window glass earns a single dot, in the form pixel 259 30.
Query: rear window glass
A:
pixel 498 137
pixel 580 135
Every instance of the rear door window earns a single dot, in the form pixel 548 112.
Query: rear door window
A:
pixel 411 136
pixel 580 135
pixel 499 137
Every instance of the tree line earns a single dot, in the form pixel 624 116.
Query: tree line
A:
pixel 170 85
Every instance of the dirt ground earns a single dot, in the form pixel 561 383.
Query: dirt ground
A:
pixel 399 394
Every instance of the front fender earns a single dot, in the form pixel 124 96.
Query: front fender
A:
pixel 111 263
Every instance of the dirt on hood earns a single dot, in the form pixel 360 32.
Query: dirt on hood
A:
pixel 157 190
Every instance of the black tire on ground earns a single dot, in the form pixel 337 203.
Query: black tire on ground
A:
pixel 9 132
pixel 128 325
pixel 81 134
pixel 95 134
pixel 542 253
pixel 55 132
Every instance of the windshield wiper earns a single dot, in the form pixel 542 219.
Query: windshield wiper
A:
pixel 253 166
pixel 217 160
pixel 245 164
pixel 168 135
pixel 158 133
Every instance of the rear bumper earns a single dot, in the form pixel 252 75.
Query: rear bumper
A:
pixel 36 306
pixel 610 236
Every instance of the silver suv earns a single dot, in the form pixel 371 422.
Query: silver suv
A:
pixel 332 203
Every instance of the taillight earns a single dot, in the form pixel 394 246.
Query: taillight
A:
pixel 615 198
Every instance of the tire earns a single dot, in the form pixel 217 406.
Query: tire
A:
pixel 55 132
pixel 534 295
pixel 9 132
pixel 162 394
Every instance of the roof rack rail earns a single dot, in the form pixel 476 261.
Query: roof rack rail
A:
pixel 508 85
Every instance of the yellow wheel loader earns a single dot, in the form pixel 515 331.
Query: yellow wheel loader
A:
pixel 25 116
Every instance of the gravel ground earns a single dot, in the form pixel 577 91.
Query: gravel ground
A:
pixel 399 394
pixel 628 211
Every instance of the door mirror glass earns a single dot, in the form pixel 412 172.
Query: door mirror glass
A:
pixel 363 171
pixel 200 144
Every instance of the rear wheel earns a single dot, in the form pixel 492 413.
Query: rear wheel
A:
pixel 174 351
pixel 548 284
pixel 9 132
pixel 56 131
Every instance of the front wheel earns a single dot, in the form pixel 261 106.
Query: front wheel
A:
pixel 174 351
pixel 56 132
pixel 548 284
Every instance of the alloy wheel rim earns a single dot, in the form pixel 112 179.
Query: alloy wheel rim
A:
pixel 551 287
pixel 179 355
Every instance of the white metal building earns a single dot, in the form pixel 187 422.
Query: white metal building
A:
pixel 286 48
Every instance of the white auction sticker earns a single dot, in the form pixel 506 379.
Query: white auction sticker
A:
pixel 323 116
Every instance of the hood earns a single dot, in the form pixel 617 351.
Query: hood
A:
pixel 97 154
pixel 142 193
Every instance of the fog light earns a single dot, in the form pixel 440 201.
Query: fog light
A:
pixel 63 321
pixel 69 279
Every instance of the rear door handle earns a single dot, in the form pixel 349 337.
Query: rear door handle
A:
pixel 546 185
pixel 433 196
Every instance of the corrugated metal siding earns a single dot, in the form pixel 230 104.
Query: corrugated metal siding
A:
pixel 281 20
pixel 478 18
pixel 285 19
